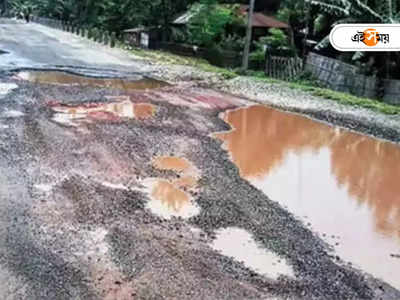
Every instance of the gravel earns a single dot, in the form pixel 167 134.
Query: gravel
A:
pixel 84 240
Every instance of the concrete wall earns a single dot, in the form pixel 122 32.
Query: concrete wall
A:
pixel 344 77
pixel 392 91
pixel 340 76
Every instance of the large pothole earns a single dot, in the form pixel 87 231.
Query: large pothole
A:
pixel 72 79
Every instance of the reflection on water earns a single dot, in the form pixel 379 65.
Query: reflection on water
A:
pixel 168 201
pixel 345 183
pixel 240 245
pixel 112 111
pixel 170 198
pixel 65 78
pixel 172 163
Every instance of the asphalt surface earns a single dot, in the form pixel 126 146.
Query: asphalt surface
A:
pixel 66 234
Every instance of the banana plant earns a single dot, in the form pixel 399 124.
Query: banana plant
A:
pixel 360 11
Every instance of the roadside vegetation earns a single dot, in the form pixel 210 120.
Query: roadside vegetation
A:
pixel 217 26
pixel 309 86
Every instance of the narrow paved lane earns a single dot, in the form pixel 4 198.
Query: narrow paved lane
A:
pixel 34 45
pixel 117 188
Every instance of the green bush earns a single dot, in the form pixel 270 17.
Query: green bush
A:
pixel 208 23
pixel 232 43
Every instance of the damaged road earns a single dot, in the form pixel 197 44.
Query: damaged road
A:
pixel 131 188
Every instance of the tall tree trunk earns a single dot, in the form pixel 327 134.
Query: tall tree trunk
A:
pixel 166 21
pixel 4 12
pixel 245 63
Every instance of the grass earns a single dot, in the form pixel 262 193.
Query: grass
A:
pixel 169 58
pixel 345 98
pixel 304 85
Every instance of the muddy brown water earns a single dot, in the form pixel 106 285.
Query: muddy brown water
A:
pixel 65 78
pixel 169 198
pixel 342 184
pixel 114 111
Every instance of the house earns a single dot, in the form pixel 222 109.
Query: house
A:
pixel 144 37
pixel 261 22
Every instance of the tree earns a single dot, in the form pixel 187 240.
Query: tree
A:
pixel 245 64
pixel 209 22
pixel 364 11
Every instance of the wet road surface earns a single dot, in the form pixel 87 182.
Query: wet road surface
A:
pixel 137 190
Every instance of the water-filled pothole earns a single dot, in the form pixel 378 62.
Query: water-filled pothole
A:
pixel 343 184
pixel 167 200
pixel 66 78
pixel 109 111
pixel 172 198
pixel 240 245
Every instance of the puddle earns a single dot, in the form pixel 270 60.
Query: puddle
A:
pixel 5 88
pixel 345 184
pixel 112 111
pixel 167 200
pixel 115 186
pixel 170 197
pixel 13 114
pixel 189 174
pixel 240 245
pixel 172 163
pixel 65 78
pixel 44 187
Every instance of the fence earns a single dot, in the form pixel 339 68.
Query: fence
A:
pixel 341 76
pixel 330 72
pixel 344 77
pixel 392 91
pixel 97 35
pixel 281 67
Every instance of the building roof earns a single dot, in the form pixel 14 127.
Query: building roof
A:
pixel 135 30
pixel 185 18
pixel 259 19
pixel 140 29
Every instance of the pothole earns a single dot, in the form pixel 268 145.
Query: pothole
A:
pixel 110 111
pixel 328 177
pixel 168 200
pixel 239 244
pixel 69 79
pixel 172 198
pixel 5 88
